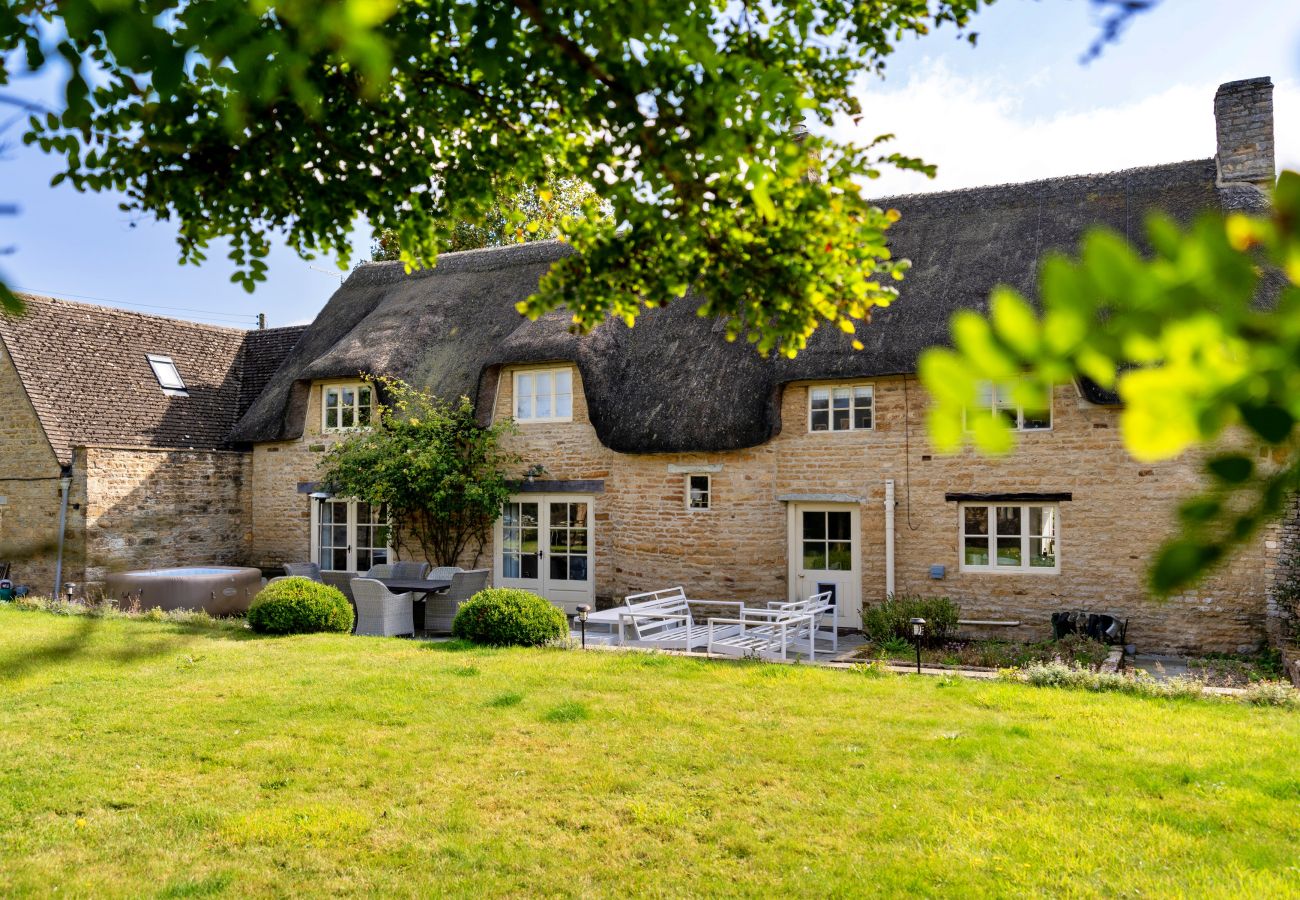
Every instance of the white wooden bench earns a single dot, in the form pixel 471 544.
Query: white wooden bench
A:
pixel 666 622
pixel 772 631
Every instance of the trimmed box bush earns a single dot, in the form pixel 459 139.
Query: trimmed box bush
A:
pixel 505 617
pixel 300 606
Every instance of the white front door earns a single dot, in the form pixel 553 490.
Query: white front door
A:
pixel 825 556
pixel 544 544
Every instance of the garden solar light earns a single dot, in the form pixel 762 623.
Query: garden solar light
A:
pixel 918 629
pixel 583 609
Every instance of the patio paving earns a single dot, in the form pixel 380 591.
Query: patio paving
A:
pixel 1159 666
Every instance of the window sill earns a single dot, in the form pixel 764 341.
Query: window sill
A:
pixel 1004 570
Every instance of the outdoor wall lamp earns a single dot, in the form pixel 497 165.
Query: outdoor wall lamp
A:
pixel 582 622
pixel 918 631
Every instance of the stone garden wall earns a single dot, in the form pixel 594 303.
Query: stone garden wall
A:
pixel 150 508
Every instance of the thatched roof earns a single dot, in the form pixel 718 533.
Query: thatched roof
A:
pixel 673 383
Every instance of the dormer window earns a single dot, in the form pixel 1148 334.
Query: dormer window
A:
pixel 169 377
pixel 346 406
pixel 544 395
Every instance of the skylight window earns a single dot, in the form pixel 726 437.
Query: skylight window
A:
pixel 169 377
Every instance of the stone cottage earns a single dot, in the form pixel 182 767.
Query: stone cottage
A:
pixel 667 455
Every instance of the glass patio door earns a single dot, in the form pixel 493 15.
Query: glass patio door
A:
pixel 544 545
pixel 349 535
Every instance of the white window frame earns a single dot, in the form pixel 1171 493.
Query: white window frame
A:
pixel 340 386
pixel 997 403
pixel 708 492
pixel 1025 537
pixel 164 367
pixel 852 387
pixel 352 524
pixel 554 396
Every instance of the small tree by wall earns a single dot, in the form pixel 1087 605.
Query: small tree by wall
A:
pixel 440 475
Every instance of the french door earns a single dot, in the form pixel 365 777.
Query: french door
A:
pixel 349 535
pixel 825 557
pixel 544 544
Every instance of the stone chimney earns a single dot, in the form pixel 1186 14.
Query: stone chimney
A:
pixel 1243 118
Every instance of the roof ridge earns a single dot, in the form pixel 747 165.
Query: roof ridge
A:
pixel 298 327
pixel 472 251
pixel 518 254
pixel 114 310
pixel 985 190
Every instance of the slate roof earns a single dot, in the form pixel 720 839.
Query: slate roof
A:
pixel 263 352
pixel 85 369
pixel 673 383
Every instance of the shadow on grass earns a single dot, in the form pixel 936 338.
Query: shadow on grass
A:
pixel 132 647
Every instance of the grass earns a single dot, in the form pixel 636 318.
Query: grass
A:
pixel 160 759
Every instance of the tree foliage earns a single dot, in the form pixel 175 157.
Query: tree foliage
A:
pixel 1202 341
pixel 526 213
pixel 418 114
pixel 440 475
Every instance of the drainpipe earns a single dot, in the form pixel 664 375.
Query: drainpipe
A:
pixel 65 485
pixel 889 538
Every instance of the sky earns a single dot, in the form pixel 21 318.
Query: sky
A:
pixel 1018 106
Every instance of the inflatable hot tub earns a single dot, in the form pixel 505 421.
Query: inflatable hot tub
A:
pixel 220 590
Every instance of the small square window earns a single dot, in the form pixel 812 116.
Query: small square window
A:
pixel 345 407
pixel 840 408
pixel 544 395
pixel 698 492
pixel 169 377
pixel 999 399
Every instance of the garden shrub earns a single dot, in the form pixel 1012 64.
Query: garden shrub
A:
pixel 300 606
pixel 890 620
pixel 505 617
pixel 1273 693
pixel 1141 684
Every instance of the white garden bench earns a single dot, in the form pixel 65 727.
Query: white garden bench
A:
pixel 664 619
pixel 772 631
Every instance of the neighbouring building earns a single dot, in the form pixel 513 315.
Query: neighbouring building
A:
pixel 666 455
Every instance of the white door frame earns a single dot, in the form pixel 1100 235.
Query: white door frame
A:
pixel 848 582
pixel 567 595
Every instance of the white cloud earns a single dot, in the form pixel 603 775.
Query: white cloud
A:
pixel 978 134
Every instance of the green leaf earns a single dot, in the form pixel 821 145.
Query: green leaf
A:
pixel 1272 423
pixel 1231 469
pixel 1177 564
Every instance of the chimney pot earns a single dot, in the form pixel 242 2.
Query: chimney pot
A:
pixel 1243 117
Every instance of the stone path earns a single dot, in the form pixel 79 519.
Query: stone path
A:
pixel 1160 667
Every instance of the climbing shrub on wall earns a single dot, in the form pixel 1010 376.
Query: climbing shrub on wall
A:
pixel 441 475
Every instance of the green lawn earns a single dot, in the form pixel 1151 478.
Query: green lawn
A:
pixel 148 758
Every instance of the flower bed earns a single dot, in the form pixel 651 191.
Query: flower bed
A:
pixel 992 654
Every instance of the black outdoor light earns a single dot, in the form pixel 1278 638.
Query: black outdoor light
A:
pixel 918 631
pixel 582 622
